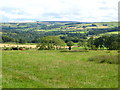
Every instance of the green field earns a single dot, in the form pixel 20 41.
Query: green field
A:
pixel 55 69
pixel 116 32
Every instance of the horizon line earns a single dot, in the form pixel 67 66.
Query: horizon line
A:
pixel 52 21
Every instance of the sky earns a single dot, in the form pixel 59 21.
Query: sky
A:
pixel 58 10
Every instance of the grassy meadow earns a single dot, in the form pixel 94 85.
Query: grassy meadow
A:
pixel 56 69
pixel 32 68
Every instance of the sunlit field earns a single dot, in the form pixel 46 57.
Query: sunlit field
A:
pixel 57 69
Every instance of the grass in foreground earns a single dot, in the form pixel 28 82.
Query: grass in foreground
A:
pixel 111 59
pixel 55 69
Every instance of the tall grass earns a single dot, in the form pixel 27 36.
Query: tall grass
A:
pixel 111 59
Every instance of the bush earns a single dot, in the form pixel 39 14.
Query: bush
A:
pixel 27 48
pixel 111 59
pixel 6 48
pixel 22 48
pixel 41 47
pixel 15 48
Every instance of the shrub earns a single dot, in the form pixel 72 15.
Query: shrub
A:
pixel 22 48
pixel 111 59
pixel 6 48
pixel 15 48
pixel 26 48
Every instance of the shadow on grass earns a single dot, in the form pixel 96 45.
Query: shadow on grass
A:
pixel 111 59
pixel 74 51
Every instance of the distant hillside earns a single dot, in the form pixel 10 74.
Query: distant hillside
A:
pixel 32 31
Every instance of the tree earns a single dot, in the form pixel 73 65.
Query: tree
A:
pixel 82 43
pixel 111 42
pixel 70 44
pixel 104 24
pixel 7 39
pixel 22 41
pixel 115 45
pixel 50 42
pixel 90 43
pixel 99 42
pixel 94 25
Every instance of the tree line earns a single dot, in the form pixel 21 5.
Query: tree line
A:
pixel 110 42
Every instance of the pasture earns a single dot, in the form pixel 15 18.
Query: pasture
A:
pixel 56 69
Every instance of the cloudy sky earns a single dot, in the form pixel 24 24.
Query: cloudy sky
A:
pixel 58 10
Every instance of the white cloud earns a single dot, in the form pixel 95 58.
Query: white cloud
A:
pixel 77 10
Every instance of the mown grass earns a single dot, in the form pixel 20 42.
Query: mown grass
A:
pixel 55 69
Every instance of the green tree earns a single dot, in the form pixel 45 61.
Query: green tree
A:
pixel 7 39
pixel 111 42
pixel 108 40
pixel 115 45
pixel 22 41
pixel 82 43
pixel 99 42
pixel 50 42
pixel 90 43
pixel 70 44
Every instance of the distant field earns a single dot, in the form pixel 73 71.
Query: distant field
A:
pixel 98 27
pixel 110 24
pixel 116 32
pixel 35 30
pixel 78 32
pixel 55 69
